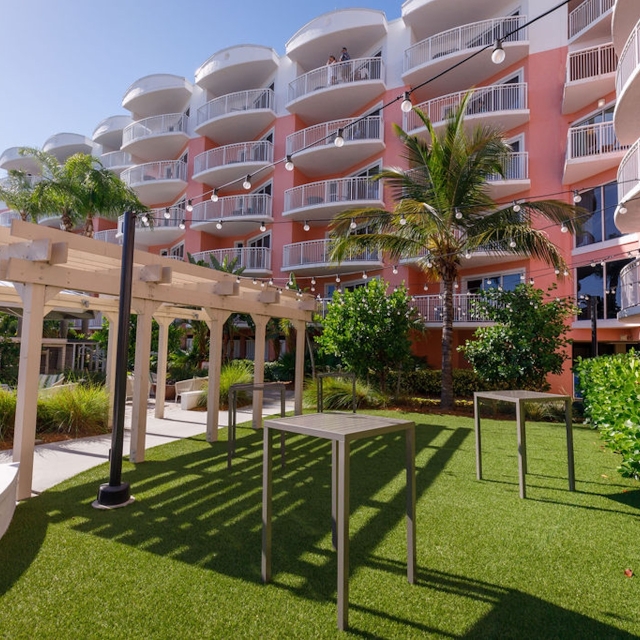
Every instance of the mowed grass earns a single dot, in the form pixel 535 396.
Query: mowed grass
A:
pixel 183 561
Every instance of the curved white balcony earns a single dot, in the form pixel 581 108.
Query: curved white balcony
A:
pixel 228 164
pixel 591 74
pixel 591 149
pixel 625 16
pixel 157 94
pixel 311 258
pixel 255 260
pixel 337 90
pixel 313 150
pixel 108 133
pixel 236 116
pixel 515 179
pixel 502 106
pixel 431 308
pixel 591 20
pixel 12 159
pixel 627 115
pixel 157 182
pixel 156 138
pixel 237 68
pixel 426 59
pixel 7 217
pixel 64 145
pixel 52 220
pixel 629 191
pixel 112 236
pixel 629 285
pixel 116 161
pixel 490 253
pixel 319 202
pixel 161 230
pixel 232 215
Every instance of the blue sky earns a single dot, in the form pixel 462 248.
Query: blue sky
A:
pixel 65 64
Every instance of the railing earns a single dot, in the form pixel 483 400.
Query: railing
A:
pixel 368 128
pixel 317 252
pixel 630 285
pixel 516 167
pixel 111 236
pixel 469 36
pixel 260 151
pixel 254 204
pixel 629 171
pixel 116 159
pixel 431 308
pixel 156 125
pixel 234 103
pixel 251 258
pixel 586 14
pixel 329 191
pixel 7 216
pixel 167 218
pixel 498 97
pixel 591 62
pixel 592 140
pixel 629 59
pixel 163 170
pixel 331 75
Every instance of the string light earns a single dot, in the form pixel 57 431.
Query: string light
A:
pixel 512 243
pixel 167 213
pixel 214 196
pixel 288 165
pixel 219 224
pixel 406 105
pixel 352 224
pixel 364 275
pixel 189 206
pixel 516 206
pixel 577 197
pixel 339 140
pixel 247 182
pixel 182 224
pixel 403 220
pixel 622 209
pixel 395 270
pixel 306 226
pixel 564 228
pixel 263 227
pixel 498 55
pixel 458 214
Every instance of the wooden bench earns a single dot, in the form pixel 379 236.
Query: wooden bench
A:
pixel 192 384
pixel 189 399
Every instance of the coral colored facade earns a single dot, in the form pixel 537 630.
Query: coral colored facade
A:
pixel 247 110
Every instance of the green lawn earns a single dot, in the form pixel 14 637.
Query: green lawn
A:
pixel 184 560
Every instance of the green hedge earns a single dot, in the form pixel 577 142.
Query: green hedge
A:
pixel 428 382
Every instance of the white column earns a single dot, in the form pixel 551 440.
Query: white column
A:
pixel 258 367
pixel 161 376
pixel 216 325
pixel 300 326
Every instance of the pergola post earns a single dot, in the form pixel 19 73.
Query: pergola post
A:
pixel 112 347
pixel 258 367
pixel 161 371
pixel 216 325
pixel 298 384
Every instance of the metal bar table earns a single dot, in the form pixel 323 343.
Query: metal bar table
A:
pixel 340 429
pixel 520 399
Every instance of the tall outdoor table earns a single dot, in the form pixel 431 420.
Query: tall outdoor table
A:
pixel 340 429
pixel 519 399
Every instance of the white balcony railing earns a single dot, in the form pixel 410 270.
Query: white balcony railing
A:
pixel 116 159
pixel 586 14
pixel 629 59
pixel 167 218
pixel 516 167
pixel 629 172
pixel 591 63
pixel 251 258
pixel 260 151
pixel 369 128
pixel 108 235
pixel 330 191
pixel 163 170
pixel 253 204
pixel 332 75
pixel 592 140
pixel 317 252
pixel 431 308
pixel 630 285
pixel 499 97
pixel 235 103
pixel 6 217
pixel 156 125
pixel 469 36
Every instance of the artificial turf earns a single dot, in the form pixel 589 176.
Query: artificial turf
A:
pixel 183 561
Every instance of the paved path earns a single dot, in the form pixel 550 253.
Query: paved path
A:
pixel 58 461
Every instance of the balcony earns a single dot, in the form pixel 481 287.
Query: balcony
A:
pixel 627 114
pixel 112 236
pixel 502 106
pixel 64 145
pixel 232 215
pixel 162 230
pixel 315 153
pixel 312 259
pixel 625 17
pixel 109 132
pixel 515 179
pixel 243 115
pixel 426 59
pixel 116 161
pixel 157 182
pixel 157 94
pixel 255 260
pixel 591 75
pixel 12 159
pixel 430 309
pixel 629 191
pixel 224 165
pixel 156 138
pixel 591 20
pixel 237 68
pixel 336 91
pixel 591 149
pixel 629 284
pixel 7 217
pixel 319 202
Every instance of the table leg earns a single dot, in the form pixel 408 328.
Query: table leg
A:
pixel 476 415
pixel 267 482
pixel 410 441
pixel 334 493
pixel 522 453
pixel 343 535
pixel 570 463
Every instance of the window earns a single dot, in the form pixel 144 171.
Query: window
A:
pixel 597 224
pixel 257 257
pixel 508 282
pixel 177 251
pixel 601 281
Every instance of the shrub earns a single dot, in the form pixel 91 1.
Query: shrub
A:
pixel 235 372
pixel 428 382
pixel 7 414
pixel 338 395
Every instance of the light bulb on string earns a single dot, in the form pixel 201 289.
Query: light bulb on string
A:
pixel 167 213
pixel 306 226
pixel 403 220
pixel 288 165
pixel 247 183
pixel 577 197
pixel 564 228
pixel 352 224
pixel 498 55
pixel 516 206
pixel 189 206
pixel 338 279
pixel 182 224
pixel 622 209
pixel 219 224
pixel 406 105
pixel 426 287
pixel 214 196
pixel 339 140
pixel 263 228
pixel 458 214
pixel 364 275
pixel 313 281
pixel 395 270
pixel 512 243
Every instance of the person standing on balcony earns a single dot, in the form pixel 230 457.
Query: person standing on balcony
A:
pixel 345 69
pixel 331 74
pixel 344 55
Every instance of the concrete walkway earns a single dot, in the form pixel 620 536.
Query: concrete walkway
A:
pixel 59 461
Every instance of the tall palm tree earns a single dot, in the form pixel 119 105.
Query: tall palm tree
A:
pixel 17 193
pixel 443 211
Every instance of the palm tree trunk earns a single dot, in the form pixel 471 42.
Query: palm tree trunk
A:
pixel 446 392
pixel 88 226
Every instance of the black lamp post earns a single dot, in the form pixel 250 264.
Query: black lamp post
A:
pixel 593 312
pixel 117 493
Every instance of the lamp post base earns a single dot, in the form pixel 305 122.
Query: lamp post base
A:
pixel 110 497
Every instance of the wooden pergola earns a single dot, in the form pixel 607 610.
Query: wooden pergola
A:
pixel 48 268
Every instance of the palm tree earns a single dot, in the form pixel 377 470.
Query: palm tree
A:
pixel 442 211
pixel 17 193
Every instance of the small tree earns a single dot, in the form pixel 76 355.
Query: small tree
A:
pixel 526 343
pixel 368 329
